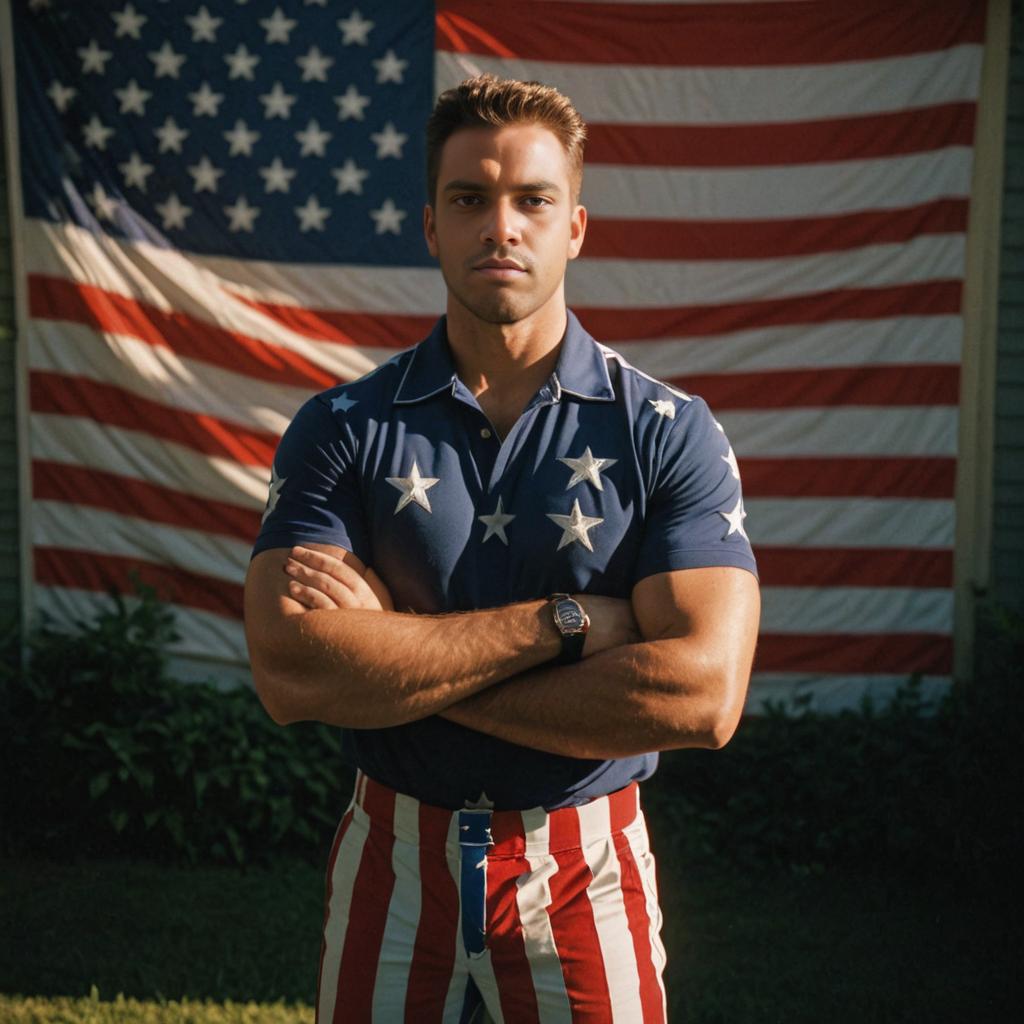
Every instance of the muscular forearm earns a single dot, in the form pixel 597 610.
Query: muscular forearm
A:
pixel 370 669
pixel 650 696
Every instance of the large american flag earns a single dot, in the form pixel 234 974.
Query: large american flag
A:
pixel 221 214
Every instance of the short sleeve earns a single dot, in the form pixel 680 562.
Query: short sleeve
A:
pixel 314 490
pixel 695 505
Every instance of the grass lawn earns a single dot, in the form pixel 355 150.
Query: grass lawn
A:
pixel 826 949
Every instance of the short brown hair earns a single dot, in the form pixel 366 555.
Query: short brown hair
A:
pixel 490 102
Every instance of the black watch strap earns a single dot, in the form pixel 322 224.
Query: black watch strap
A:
pixel 572 622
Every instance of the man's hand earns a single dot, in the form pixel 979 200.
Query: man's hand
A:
pixel 320 580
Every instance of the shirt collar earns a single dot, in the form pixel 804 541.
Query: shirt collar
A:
pixel 582 369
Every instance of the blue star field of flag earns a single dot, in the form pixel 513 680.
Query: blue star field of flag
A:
pixel 251 129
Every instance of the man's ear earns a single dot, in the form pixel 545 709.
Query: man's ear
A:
pixel 428 230
pixel 577 230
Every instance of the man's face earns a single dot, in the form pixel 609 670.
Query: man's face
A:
pixel 504 223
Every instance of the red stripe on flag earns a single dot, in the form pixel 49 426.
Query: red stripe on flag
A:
pixel 634 898
pixel 883 654
pixel 707 35
pixel 841 476
pixel 854 567
pixel 930 298
pixel 80 485
pixel 53 298
pixel 368 910
pixel 331 861
pixel 506 942
pixel 377 330
pixel 116 407
pixel 613 238
pixel 90 570
pixel 572 922
pixel 930 385
pixel 433 956
pixel 782 143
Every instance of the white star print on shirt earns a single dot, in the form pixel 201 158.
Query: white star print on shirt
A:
pixel 663 407
pixel 342 403
pixel 575 526
pixel 413 487
pixel 588 468
pixel 735 520
pixel 496 523
pixel 276 483
pixel 730 461
pixel 133 99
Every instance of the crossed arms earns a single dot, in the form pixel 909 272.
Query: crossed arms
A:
pixel 669 668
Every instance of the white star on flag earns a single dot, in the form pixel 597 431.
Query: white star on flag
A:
pixel 61 95
pixel 204 175
pixel 277 177
pixel 204 26
pixel 388 218
pixel 312 215
pixel 243 216
pixel 277 103
pixel 241 138
pixel 350 177
pixel 342 403
pixel 313 139
pixel 496 523
pixel 205 101
pixel 166 63
pixel 730 461
pixel 355 29
pixel 586 467
pixel 96 133
pixel 135 172
pixel 389 142
pixel 133 99
pixel 390 68
pixel 274 492
pixel 278 27
pixel 129 22
pixel 413 487
pixel 241 63
pixel 104 205
pixel 735 520
pixel 170 136
pixel 314 65
pixel 173 212
pixel 93 58
pixel 575 526
pixel 663 407
pixel 351 104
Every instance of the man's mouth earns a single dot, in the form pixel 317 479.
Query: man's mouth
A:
pixel 500 269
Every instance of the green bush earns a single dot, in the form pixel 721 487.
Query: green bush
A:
pixel 108 755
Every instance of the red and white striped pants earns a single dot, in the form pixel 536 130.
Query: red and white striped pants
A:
pixel 571 916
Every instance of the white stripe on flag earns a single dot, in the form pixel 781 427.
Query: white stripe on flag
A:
pixel 832 693
pixel 637 94
pixel 870 610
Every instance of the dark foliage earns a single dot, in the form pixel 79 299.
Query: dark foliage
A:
pixel 106 755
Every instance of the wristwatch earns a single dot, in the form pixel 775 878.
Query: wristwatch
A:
pixel 572 622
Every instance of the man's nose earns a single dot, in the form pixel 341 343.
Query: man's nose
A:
pixel 502 226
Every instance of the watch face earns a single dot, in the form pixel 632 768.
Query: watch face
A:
pixel 569 616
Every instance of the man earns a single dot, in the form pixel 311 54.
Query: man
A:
pixel 495 849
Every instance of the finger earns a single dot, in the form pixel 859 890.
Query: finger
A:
pixel 323 562
pixel 340 595
pixel 308 597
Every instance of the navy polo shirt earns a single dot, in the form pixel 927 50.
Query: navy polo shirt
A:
pixel 607 477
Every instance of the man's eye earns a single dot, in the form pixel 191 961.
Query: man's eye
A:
pixel 467 200
pixel 535 201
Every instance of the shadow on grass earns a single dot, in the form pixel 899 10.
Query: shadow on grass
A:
pixel 816 948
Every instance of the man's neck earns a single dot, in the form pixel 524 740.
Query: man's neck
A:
pixel 506 360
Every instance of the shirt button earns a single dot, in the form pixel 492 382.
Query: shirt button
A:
pixel 485 433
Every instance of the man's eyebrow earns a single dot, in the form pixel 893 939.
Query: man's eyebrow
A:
pixel 461 185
